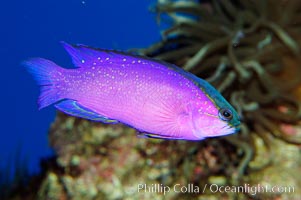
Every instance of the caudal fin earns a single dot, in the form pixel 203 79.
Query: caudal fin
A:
pixel 48 76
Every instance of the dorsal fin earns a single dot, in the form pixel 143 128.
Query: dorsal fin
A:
pixel 84 56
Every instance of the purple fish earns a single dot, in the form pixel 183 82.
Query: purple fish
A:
pixel 158 99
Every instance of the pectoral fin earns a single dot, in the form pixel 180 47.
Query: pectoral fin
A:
pixel 73 108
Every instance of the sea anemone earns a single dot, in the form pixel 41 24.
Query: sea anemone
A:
pixel 250 51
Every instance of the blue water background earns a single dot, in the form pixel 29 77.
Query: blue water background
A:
pixel 34 28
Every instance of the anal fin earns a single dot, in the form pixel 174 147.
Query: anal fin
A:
pixel 73 108
pixel 156 136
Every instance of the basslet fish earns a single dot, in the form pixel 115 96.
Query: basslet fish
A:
pixel 158 99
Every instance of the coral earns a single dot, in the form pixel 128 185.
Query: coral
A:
pixel 97 161
pixel 249 50
pixel 280 172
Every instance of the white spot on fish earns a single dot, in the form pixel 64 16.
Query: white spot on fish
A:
pixel 93 67
pixel 139 61
pixel 94 63
pixel 124 59
pixel 83 61
pixel 133 62
pixel 107 58
pixel 98 58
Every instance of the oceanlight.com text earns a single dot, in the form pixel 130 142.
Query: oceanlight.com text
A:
pixel 252 190
pixel 214 188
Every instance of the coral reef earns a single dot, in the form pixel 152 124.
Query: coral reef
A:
pixel 249 50
pixel 96 161
pixel 99 161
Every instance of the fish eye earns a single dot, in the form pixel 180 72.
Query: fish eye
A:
pixel 225 114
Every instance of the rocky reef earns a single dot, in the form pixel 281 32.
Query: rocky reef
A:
pixel 250 51
pixel 96 161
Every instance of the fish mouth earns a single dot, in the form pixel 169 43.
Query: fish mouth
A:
pixel 235 126
pixel 227 129
pixel 230 129
pixel 220 130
